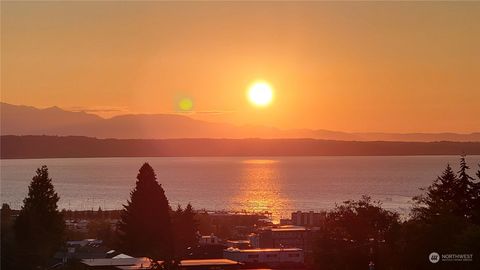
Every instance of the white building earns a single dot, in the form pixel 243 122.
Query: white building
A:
pixel 240 244
pixel 266 256
pixel 309 219
pixel 209 240
pixel 287 236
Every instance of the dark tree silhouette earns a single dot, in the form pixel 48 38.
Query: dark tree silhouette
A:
pixel 443 219
pixel 443 196
pixel 449 194
pixel 145 228
pixel 467 185
pixel 356 233
pixel 462 173
pixel 191 230
pixel 185 230
pixel 478 172
pixel 476 199
pixel 6 237
pixel 39 228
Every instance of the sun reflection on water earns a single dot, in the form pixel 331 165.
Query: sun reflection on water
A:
pixel 259 161
pixel 260 189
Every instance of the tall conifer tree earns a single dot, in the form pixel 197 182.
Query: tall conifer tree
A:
pixel 476 199
pixel 39 228
pixel 145 228
pixel 478 172
pixel 185 230
pixel 440 197
pixel 191 230
pixel 450 193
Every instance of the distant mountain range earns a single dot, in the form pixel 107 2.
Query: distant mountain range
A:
pixel 26 120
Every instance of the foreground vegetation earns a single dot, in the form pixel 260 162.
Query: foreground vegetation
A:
pixel 445 219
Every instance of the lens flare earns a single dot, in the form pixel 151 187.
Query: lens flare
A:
pixel 185 104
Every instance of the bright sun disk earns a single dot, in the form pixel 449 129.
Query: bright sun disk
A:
pixel 260 93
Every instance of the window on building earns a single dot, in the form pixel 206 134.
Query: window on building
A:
pixel 294 255
pixel 252 256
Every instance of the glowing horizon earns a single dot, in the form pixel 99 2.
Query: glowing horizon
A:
pixel 387 67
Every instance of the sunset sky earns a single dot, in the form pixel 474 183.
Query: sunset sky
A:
pixel 390 67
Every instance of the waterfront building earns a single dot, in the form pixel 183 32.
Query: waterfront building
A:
pixel 288 236
pixel 309 219
pixel 147 263
pixel 269 257
pixel 209 240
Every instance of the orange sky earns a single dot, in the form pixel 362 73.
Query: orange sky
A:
pixel 393 67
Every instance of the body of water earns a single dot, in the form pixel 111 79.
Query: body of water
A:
pixel 276 184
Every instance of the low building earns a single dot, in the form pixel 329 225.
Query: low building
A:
pixel 209 264
pixel 81 249
pixel 85 242
pixel 147 263
pixel 240 244
pixel 209 240
pixel 285 221
pixel 288 236
pixel 309 219
pixel 279 237
pixel 119 263
pixel 77 225
pixel 209 247
pixel 266 257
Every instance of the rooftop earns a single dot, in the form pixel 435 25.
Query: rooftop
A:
pixel 239 241
pixel 288 228
pixel 262 250
pixel 209 262
pixel 84 242
pixel 137 262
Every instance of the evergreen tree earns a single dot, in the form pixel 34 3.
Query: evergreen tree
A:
pixel 39 228
pixel 177 221
pixel 478 172
pixel 466 187
pixel 444 218
pixel 451 194
pixel 191 230
pixel 145 228
pixel 462 173
pixel 476 199
pixel 440 197
pixel 185 230
pixel 6 237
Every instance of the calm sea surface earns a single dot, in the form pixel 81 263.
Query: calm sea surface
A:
pixel 276 184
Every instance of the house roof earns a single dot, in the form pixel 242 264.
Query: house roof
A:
pixel 141 261
pixel 208 262
pixel 288 229
pixel 260 250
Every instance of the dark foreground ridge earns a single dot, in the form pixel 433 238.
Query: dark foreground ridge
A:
pixel 76 147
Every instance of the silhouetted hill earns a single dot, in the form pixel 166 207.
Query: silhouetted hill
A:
pixel 24 120
pixel 74 146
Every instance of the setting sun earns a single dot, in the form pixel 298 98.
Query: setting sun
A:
pixel 260 93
